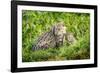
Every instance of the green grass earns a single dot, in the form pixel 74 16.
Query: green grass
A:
pixel 34 23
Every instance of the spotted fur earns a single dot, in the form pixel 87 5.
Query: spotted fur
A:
pixel 51 39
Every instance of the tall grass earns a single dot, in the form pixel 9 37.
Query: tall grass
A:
pixel 34 23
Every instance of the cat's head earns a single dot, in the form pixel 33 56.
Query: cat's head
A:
pixel 59 29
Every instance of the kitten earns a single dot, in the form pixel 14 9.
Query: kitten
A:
pixel 51 39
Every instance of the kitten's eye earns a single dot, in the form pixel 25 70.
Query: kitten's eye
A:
pixel 58 28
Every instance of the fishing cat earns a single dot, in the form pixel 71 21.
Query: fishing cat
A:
pixel 51 39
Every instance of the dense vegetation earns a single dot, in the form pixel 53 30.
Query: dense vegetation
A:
pixel 34 23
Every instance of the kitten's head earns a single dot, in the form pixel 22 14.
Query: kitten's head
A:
pixel 59 29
